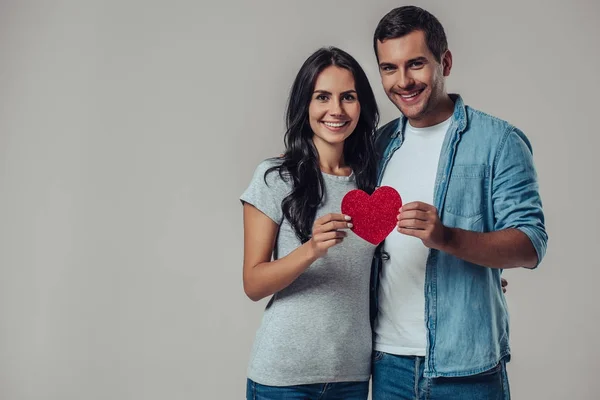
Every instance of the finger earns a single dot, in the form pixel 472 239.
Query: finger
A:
pixel 323 237
pixel 412 224
pixel 333 225
pixel 503 282
pixel 503 289
pixel 413 214
pixel 330 243
pixel 412 232
pixel 332 217
pixel 417 205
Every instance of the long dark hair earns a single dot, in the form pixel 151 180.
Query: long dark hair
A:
pixel 300 161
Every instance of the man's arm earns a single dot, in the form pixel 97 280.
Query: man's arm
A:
pixel 508 248
pixel 519 238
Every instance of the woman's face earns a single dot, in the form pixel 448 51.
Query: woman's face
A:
pixel 334 108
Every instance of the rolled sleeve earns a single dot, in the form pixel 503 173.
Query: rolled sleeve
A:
pixel 515 191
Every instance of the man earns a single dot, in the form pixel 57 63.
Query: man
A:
pixel 471 208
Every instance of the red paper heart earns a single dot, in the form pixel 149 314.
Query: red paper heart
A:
pixel 375 216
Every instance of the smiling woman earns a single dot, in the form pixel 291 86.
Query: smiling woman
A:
pixel 330 86
pixel 316 331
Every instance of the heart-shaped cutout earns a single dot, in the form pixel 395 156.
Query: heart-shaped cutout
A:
pixel 375 216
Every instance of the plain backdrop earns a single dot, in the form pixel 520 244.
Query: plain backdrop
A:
pixel 128 130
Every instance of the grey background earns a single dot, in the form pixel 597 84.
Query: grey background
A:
pixel 128 130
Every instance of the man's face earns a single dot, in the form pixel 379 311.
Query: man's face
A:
pixel 412 78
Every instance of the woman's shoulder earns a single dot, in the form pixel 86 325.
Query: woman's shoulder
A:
pixel 269 172
pixel 269 163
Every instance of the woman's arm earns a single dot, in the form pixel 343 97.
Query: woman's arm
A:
pixel 263 277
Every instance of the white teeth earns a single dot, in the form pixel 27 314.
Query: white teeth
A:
pixel 408 96
pixel 335 124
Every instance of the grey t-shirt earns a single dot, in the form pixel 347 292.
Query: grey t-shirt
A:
pixel 317 329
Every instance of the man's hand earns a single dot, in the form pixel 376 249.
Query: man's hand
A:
pixel 421 220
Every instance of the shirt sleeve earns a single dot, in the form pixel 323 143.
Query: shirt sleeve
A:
pixel 266 192
pixel 515 192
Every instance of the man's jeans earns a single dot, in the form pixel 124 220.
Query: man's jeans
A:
pixel 401 378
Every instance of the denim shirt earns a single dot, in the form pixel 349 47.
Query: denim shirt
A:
pixel 485 182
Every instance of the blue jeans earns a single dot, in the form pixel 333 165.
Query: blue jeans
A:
pixel 401 378
pixel 317 391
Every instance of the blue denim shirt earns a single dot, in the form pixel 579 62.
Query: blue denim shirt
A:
pixel 486 181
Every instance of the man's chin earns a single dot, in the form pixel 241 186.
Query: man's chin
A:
pixel 413 110
pixel 411 113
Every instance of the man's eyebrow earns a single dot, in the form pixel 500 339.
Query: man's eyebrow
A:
pixel 412 60
pixel 417 59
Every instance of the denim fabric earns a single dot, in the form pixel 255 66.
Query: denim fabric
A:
pixel 401 378
pixel 318 391
pixel 486 181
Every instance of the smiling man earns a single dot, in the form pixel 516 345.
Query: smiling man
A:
pixel 472 208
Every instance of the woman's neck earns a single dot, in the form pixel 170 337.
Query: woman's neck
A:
pixel 331 158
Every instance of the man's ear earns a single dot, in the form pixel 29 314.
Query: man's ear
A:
pixel 447 62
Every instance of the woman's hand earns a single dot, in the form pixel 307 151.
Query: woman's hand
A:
pixel 327 232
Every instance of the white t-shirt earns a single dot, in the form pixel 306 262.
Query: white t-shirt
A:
pixel 400 327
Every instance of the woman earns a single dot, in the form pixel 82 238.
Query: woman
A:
pixel 315 336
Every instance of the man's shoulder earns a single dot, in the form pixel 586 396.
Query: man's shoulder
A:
pixel 476 115
pixel 390 126
pixel 385 132
pixel 491 128
pixel 479 119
